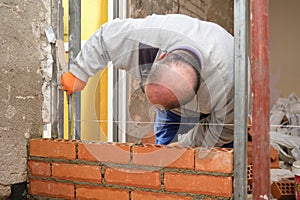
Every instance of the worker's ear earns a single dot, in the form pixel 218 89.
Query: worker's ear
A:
pixel 162 55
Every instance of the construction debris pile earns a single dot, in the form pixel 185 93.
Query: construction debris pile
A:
pixel 285 128
pixel 284 149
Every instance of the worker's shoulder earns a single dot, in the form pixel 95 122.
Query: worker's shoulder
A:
pixel 182 20
pixel 172 17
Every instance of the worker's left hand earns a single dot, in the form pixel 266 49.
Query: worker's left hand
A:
pixel 71 83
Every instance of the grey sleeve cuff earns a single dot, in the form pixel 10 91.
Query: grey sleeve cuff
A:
pixel 79 73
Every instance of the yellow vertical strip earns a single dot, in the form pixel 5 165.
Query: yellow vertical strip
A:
pixel 103 103
pixel 66 14
pixel 104 80
pixel 66 19
pixel 94 97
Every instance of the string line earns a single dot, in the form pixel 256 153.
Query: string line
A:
pixel 175 123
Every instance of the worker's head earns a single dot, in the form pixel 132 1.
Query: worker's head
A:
pixel 174 80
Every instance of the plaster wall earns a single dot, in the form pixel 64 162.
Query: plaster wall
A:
pixel 25 74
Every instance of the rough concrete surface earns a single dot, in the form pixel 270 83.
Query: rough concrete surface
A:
pixel 24 53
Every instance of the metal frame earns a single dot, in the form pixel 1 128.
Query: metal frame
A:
pixel 113 12
pixel 60 38
pixel 74 48
pixel 261 99
pixel 240 98
pixel 117 86
pixel 56 127
pixel 122 87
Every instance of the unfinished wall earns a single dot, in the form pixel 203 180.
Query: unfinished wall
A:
pixel 78 170
pixel 24 54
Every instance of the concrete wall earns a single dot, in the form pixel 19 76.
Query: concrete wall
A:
pixel 25 57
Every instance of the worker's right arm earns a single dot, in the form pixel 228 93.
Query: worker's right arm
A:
pixel 119 41
pixel 109 43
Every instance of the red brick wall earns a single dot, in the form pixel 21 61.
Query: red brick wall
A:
pixel 110 171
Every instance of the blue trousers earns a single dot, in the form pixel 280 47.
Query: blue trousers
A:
pixel 168 125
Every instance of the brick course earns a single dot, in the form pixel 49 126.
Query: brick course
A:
pixel 163 156
pixel 41 169
pixel 133 177
pixel 138 195
pixel 104 152
pixel 198 184
pixel 52 148
pixel 78 170
pixel 92 192
pixel 214 160
pixel 48 188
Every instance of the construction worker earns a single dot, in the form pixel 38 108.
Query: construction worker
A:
pixel 186 71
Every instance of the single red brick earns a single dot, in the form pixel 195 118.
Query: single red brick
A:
pixel 76 172
pixel 104 152
pixel 132 177
pixel 90 192
pixel 51 189
pixel 52 148
pixel 198 184
pixel 214 160
pixel 138 195
pixel 38 168
pixel 149 137
pixel 163 156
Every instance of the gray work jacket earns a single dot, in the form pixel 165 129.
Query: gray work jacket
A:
pixel 119 41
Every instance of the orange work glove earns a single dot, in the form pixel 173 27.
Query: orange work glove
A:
pixel 71 83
